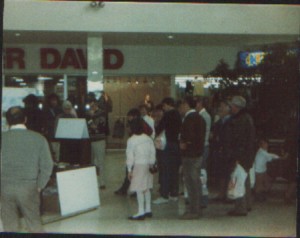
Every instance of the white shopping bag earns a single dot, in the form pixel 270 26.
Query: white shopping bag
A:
pixel 252 177
pixel 203 178
pixel 160 141
pixel 236 186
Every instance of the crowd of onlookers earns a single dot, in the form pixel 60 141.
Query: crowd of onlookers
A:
pixel 186 137
pixel 177 140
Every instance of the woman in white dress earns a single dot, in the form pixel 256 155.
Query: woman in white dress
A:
pixel 140 154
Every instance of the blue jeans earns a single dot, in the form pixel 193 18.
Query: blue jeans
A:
pixel 169 177
pixel 191 170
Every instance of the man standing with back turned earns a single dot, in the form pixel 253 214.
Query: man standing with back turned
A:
pixel 242 149
pixel 26 169
pixel 192 136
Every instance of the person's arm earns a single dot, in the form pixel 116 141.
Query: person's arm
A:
pixel 45 165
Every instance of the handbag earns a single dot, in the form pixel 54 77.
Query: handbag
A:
pixel 236 187
pixel 160 141
pixel 153 169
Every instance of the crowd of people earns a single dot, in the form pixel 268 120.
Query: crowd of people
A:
pixel 185 136
pixel 176 139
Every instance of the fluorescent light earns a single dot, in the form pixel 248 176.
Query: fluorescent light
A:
pixel 17 34
pixel 170 37
pixel 40 77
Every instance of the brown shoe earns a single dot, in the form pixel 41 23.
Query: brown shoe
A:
pixel 189 216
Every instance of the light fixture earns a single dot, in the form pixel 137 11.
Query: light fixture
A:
pixel 97 4
pixel 170 37
pixel 23 84
pixel 41 77
pixel 17 34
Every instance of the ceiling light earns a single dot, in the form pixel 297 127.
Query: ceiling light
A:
pixel 41 77
pixel 170 37
pixel 17 34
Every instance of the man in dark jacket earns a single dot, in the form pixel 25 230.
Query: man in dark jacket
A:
pixel 170 158
pixel 192 136
pixel 242 149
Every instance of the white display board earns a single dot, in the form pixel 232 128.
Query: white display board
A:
pixel 71 128
pixel 77 190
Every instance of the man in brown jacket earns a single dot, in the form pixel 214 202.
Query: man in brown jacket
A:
pixel 192 137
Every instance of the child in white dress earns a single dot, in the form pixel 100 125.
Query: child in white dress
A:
pixel 262 181
pixel 140 154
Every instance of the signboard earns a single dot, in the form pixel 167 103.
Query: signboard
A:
pixel 71 128
pixel 77 190
pixel 251 59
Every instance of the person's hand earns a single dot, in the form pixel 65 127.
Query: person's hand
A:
pixel 182 146
pixel 130 176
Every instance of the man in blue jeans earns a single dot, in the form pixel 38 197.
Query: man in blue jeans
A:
pixel 170 156
pixel 192 137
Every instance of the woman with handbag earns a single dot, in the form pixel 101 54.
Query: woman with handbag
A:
pixel 140 154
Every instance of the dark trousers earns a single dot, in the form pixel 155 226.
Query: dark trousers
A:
pixel 24 198
pixel 169 172
pixel 191 170
pixel 242 205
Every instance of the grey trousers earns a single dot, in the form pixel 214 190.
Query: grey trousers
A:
pixel 191 170
pixel 25 198
pixel 98 156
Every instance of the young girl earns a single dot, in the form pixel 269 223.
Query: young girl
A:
pixel 140 153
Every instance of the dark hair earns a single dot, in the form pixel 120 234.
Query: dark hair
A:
pixel 159 107
pixel 202 100
pixel 15 115
pixel 190 101
pixel 134 112
pixel 169 101
pixel 136 126
pixel 52 96
pixel 31 100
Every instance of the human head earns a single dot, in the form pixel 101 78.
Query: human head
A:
pixel 93 104
pixel 158 113
pixel 200 102
pixel 143 110
pixel 187 104
pixel 15 115
pixel 237 103
pixel 67 107
pixel 263 143
pixel 168 103
pixel 136 126
pixel 133 113
pixel 224 109
pixel 31 101
pixel 147 97
pixel 53 100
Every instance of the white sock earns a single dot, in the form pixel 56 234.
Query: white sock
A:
pixel 141 201
pixel 148 200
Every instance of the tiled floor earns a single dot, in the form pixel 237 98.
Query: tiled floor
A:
pixel 273 218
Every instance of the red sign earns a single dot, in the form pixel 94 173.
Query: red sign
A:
pixel 51 58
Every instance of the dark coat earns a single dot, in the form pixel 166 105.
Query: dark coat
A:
pixel 242 140
pixel 193 134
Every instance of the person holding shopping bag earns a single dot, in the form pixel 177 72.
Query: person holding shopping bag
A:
pixel 140 157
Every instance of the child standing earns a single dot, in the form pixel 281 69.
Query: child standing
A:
pixel 262 181
pixel 140 153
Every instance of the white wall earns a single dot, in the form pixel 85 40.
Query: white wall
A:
pixel 152 17
pixel 141 60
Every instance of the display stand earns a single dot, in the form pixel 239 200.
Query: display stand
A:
pixel 76 188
